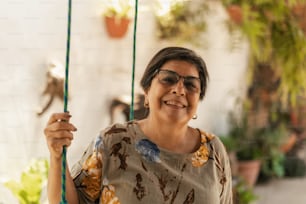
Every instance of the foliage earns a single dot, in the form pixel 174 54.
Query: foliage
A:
pixel 273 161
pixel 253 142
pixel 277 60
pixel 272 167
pixel 229 143
pixel 178 20
pixel 276 38
pixel 118 8
pixel 243 194
pixel 28 189
pixel 243 139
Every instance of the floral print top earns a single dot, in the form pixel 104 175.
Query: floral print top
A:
pixel 122 166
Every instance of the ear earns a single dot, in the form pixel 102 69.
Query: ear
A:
pixel 146 91
pixel 146 100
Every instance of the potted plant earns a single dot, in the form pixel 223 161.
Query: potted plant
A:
pixel 266 26
pixel 258 147
pixel 276 70
pixel 247 150
pixel 117 17
pixel 272 165
pixel 242 193
pixel 181 21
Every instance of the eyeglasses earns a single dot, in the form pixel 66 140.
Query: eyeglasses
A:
pixel 170 78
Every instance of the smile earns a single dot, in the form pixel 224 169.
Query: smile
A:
pixel 175 103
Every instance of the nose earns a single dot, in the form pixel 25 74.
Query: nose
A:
pixel 179 88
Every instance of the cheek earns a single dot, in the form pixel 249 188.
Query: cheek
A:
pixel 155 91
pixel 194 101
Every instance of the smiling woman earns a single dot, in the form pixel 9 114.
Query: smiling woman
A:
pixel 171 100
pixel 158 159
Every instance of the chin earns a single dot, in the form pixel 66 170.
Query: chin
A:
pixel 178 119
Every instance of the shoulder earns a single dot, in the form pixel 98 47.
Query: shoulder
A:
pixel 117 128
pixel 117 132
pixel 221 160
pixel 214 142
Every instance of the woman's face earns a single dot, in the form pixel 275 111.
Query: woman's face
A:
pixel 170 101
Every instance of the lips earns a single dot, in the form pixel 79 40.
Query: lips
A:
pixel 175 103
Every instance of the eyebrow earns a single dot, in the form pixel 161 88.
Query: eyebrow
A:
pixel 177 73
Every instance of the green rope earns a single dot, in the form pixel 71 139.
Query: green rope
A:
pixel 64 154
pixel 134 57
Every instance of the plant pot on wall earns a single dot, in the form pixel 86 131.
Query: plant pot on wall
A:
pixel 235 13
pixel 116 27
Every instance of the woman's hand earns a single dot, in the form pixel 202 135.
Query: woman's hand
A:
pixel 58 133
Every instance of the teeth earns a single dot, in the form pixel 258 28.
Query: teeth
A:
pixel 175 103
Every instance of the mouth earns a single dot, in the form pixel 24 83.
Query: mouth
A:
pixel 176 104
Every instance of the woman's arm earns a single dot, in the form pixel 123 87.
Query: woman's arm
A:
pixel 54 184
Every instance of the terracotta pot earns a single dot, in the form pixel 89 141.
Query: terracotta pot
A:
pixel 299 11
pixel 235 13
pixel 249 171
pixel 116 27
pixel 289 143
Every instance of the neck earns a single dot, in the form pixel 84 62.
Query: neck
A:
pixel 173 137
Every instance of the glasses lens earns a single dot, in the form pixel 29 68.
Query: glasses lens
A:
pixel 192 84
pixel 168 77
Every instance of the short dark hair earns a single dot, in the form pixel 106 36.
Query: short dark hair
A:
pixel 175 53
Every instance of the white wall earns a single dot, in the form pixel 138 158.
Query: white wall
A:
pixel 33 32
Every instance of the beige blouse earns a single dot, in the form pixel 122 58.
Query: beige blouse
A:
pixel 123 166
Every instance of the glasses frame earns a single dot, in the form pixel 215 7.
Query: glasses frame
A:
pixel 178 78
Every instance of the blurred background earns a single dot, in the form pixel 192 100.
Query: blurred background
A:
pixel 255 53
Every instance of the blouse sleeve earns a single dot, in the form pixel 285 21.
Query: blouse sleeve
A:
pixel 225 177
pixel 87 173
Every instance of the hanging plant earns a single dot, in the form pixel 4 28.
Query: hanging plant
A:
pixel 299 12
pixel 116 16
pixel 181 21
pixel 277 70
pixel 276 37
pixel 235 13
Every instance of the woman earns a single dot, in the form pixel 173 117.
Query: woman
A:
pixel 159 159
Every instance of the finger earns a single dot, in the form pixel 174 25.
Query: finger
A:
pixel 55 117
pixel 59 135
pixel 60 143
pixel 61 125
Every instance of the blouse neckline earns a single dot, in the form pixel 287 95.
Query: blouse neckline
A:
pixel 141 135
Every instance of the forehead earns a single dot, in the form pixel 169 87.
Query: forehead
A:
pixel 182 67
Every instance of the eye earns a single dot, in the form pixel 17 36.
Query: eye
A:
pixel 168 78
pixel 191 84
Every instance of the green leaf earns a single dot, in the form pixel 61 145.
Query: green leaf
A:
pixel 28 189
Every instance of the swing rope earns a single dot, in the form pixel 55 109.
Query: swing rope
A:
pixel 64 154
pixel 131 117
